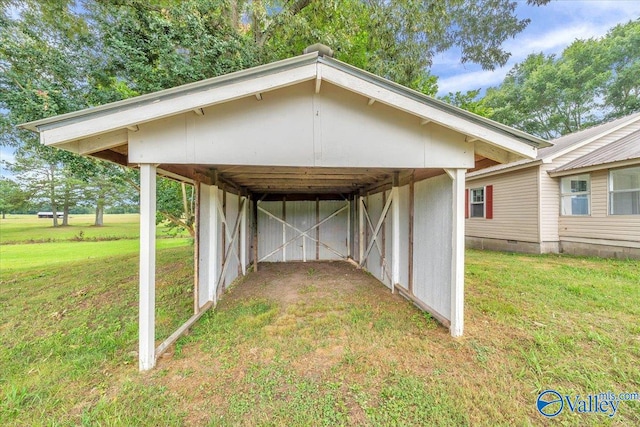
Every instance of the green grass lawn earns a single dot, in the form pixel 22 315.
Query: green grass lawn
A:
pixel 30 229
pixel 68 334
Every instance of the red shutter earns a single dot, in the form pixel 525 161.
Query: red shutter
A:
pixel 488 198
pixel 466 203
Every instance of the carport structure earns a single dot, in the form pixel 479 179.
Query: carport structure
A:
pixel 306 158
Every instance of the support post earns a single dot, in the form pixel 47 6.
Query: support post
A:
pixel 243 235
pixel 411 217
pixel 255 234
pixel 457 249
pixel 213 244
pixel 196 249
pixel 348 228
pixel 284 228
pixel 395 231
pixel 361 241
pixel 146 343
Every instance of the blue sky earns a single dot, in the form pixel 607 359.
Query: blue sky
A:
pixel 552 28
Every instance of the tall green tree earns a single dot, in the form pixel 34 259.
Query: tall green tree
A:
pixel 591 81
pixel 621 47
pixel 12 198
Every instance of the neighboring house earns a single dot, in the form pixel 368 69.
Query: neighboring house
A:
pixel 581 196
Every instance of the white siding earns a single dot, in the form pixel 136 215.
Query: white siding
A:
pixel 333 232
pixel 433 243
pixel 515 207
pixel 302 215
pixel 614 229
pixel 549 204
pixel 294 126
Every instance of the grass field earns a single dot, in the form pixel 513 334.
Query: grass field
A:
pixel 321 354
pixel 30 229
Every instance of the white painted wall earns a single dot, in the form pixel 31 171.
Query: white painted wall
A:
pixel 432 243
pixel 302 215
pixel 294 126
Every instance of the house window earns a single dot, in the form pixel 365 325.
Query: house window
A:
pixel 477 203
pixel 576 192
pixel 624 191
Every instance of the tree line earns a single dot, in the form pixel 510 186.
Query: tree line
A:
pixel 58 56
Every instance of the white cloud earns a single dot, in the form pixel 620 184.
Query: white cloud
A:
pixel 471 80
pixel 553 27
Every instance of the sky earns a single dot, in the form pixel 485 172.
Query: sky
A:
pixel 552 28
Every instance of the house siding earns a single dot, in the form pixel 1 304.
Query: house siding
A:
pixel 515 207
pixel 549 208
pixel 613 230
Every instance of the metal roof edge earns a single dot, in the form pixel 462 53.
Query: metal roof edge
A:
pixel 197 86
pixel 484 174
pixel 590 168
pixel 631 119
pixel 433 102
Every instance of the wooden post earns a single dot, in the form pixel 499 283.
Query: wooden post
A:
pixel 223 232
pixel 457 252
pixel 411 215
pixel 349 227
pixel 196 250
pixel 284 228
pixel 243 235
pixel 241 266
pixel 395 231
pixel 255 235
pixel 213 244
pixel 317 228
pixel 383 239
pixel 361 224
pixel 147 303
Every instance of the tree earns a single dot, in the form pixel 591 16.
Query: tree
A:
pixel 591 81
pixel 622 49
pixel 58 56
pixel 12 198
pixel 469 101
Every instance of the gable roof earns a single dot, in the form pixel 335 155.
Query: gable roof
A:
pixel 622 150
pixel 118 116
pixel 563 145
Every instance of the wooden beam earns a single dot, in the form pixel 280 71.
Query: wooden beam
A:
pixel 259 96
pixel 102 142
pixel 371 102
pixel 361 230
pixel 112 156
pixel 147 276
pixel 199 111
pixel 182 330
pixel 494 153
pixel 133 128
pixel 425 122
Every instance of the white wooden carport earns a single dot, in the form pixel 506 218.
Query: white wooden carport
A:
pixel 306 158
